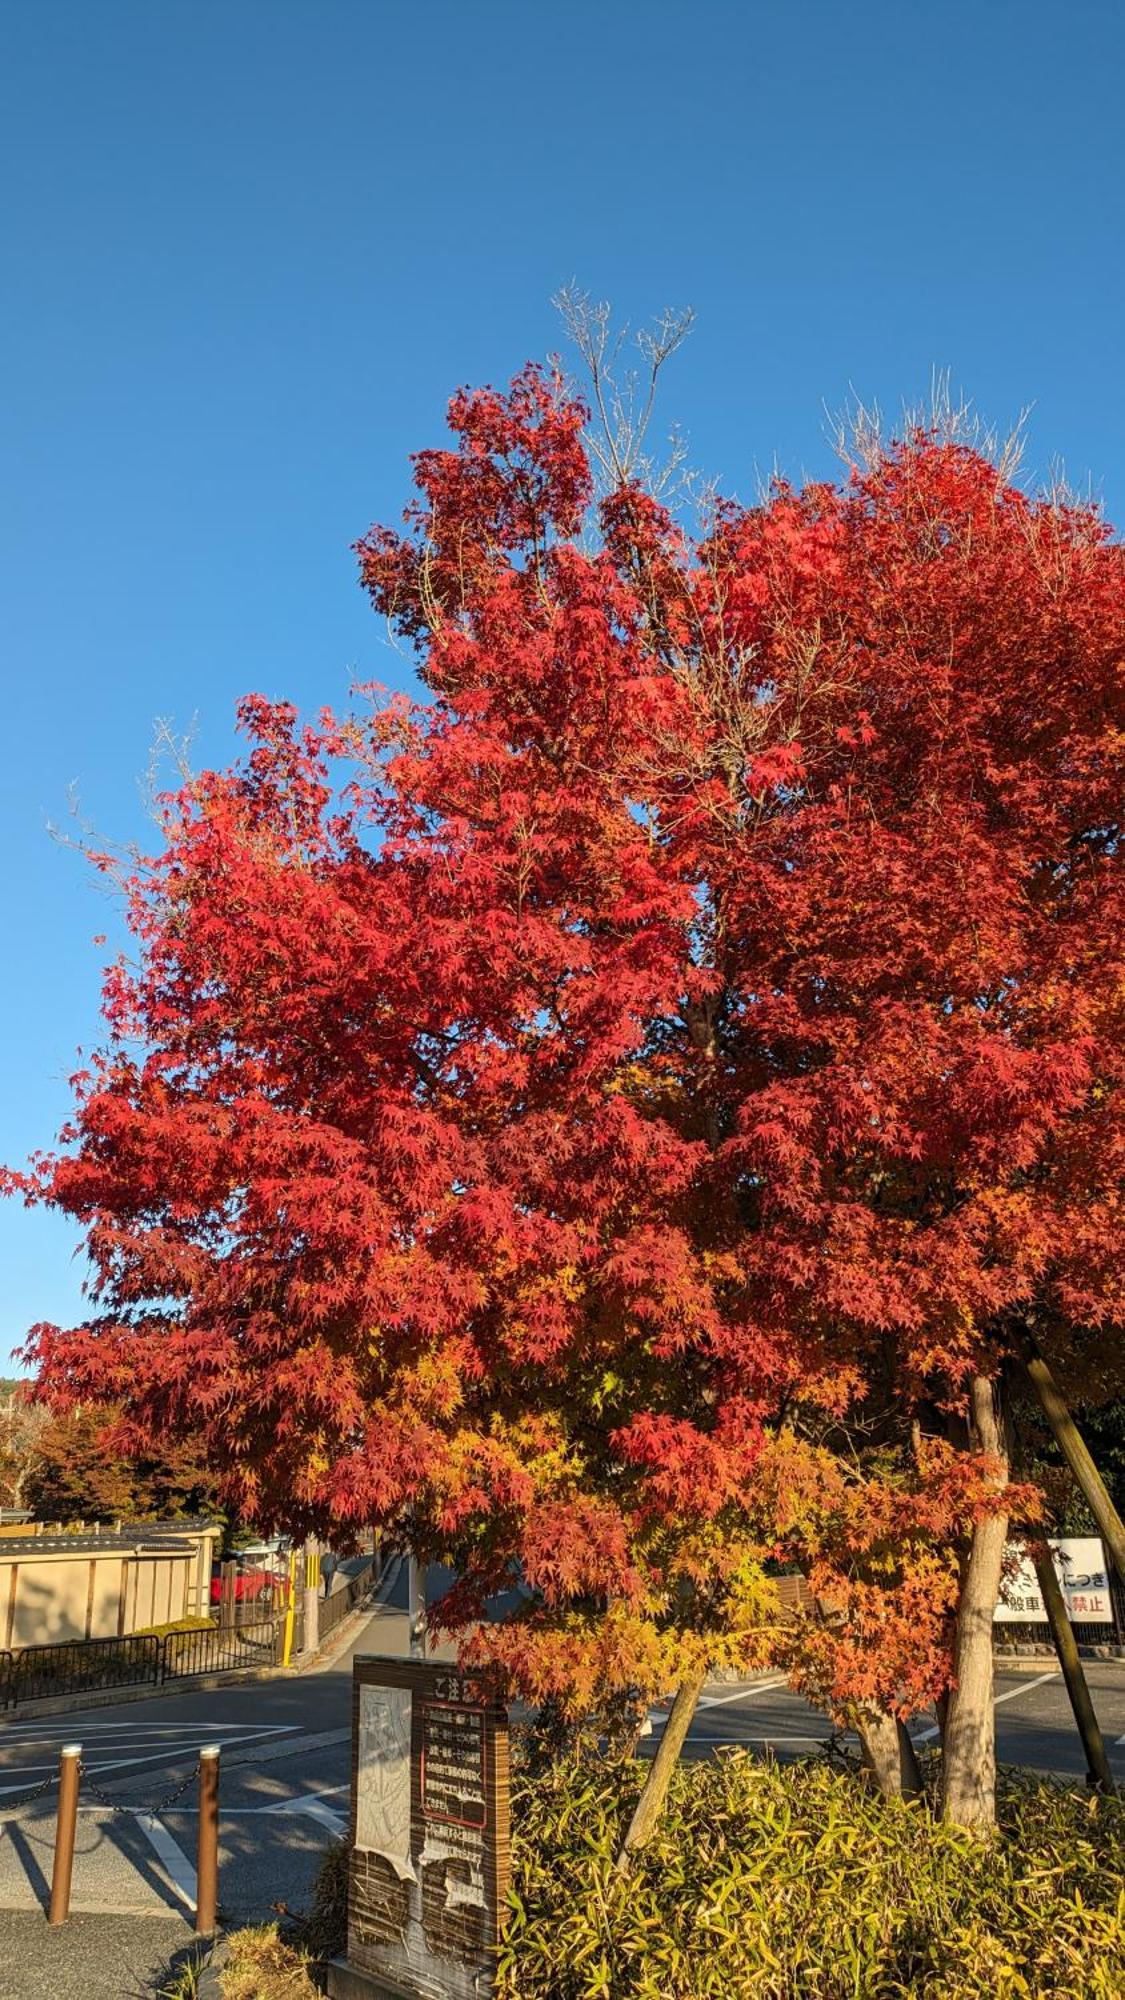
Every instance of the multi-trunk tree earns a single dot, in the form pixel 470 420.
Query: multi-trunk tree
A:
pixel 616 1119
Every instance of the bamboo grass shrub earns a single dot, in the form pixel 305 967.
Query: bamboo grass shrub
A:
pixel 794 1883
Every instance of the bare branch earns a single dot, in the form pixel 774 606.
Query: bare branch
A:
pixel 861 439
pixel 624 399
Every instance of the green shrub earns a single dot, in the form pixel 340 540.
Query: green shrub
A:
pixel 192 1624
pixel 795 1883
pixel 323 1930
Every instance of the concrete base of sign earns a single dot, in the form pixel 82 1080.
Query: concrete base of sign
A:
pixel 345 1983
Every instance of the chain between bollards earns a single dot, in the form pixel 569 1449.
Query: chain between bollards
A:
pixel 131 1808
pixel 207 1850
pixel 66 1820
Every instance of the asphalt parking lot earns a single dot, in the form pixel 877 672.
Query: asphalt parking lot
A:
pixel 285 1776
pixel 1034 1725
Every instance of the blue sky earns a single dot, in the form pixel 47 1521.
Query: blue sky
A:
pixel 248 250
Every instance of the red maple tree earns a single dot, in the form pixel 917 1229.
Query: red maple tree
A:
pixel 614 1119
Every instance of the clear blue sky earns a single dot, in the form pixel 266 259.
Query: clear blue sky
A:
pixel 249 249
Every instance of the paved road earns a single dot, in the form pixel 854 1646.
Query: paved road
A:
pixel 285 1778
pixel 1034 1726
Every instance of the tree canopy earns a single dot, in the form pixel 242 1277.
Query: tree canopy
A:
pixel 600 1117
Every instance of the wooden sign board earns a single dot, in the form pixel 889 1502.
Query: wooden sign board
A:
pixel 428 1869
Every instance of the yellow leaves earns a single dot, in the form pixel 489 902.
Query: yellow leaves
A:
pixel 604 1390
pixel 434 1383
pixel 648 1086
pixel 309 1478
pixel 720 1266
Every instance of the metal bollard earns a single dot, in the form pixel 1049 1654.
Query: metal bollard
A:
pixel 66 1820
pixel 207 1850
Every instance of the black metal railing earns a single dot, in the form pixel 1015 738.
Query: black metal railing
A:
pixel 81 1666
pixel 217 1649
pixel 76 1666
pixel 253 1637
pixel 344 1600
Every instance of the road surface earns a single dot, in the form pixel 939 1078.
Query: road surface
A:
pixel 1034 1726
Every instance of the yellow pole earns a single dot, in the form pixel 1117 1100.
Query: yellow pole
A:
pixel 290 1610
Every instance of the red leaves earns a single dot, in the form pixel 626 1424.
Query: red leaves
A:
pixel 534 1119
pixel 518 479
pixel 576 1547
pixel 690 1472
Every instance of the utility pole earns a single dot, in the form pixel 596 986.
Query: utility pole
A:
pixel 312 1595
pixel 416 1609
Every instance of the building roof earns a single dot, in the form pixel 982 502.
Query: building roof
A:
pixel 136 1540
pixel 190 1524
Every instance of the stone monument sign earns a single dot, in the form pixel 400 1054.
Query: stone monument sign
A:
pixel 428 1869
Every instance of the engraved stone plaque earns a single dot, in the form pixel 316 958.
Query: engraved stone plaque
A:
pixel 382 1780
pixel 428 1871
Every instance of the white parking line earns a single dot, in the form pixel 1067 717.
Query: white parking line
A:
pixel 658 1717
pixel 67 1728
pixel 927 1735
pixel 778 1736
pixel 743 1694
pixel 168 1753
pixel 175 1866
pixel 334 1821
pixel 1027 1686
pixel 297 1802
pixel 309 1806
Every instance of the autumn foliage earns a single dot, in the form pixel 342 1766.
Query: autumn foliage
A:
pixel 598 1119
pixel 88 1463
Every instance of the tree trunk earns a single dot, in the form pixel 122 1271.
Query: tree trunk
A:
pixel 655 1788
pixel 1072 1444
pixel 1097 1763
pixel 912 1784
pixel 889 1757
pixel 968 1790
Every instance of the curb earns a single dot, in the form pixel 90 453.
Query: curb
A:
pixel 204 1958
pixel 209 1984
pixel 71 1704
pixel 1029 1656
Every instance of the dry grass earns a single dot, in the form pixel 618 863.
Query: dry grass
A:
pixel 262 1967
